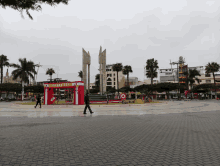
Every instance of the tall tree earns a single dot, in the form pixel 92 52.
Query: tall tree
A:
pixel 151 69
pixel 4 62
pixel 35 5
pixel 80 74
pixel 126 70
pixel 212 68
pixel 117 67
pixel 50 71
pixel 97 80
pixel 167 87
pixel 110 89
pixel 24 70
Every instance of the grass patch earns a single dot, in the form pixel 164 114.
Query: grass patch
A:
pixel 106 104
pixel 28 103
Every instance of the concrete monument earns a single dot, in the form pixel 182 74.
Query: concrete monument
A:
pixel 86 60
pixel 102 69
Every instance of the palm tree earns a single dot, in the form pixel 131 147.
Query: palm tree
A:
pixel 117 67
pixel 50 72
pixel 126 70
pixel 24 70
pixel 151 69
pixel 97 80
pixel 212 68
pixel 4 62
pixel 191 77
pixel 80 74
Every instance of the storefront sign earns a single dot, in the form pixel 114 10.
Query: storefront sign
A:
pixel 63 85
pixel 80 83
pixel 75 92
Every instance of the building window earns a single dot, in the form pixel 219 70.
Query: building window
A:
pixel 170 69
pixel 114 74
pixel 109 83
pixel 114 79
pixel 109 75
pixel 114 83
pixel 109 79
pixel 208 81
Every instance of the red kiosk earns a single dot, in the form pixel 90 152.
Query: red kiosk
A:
pixel 73 90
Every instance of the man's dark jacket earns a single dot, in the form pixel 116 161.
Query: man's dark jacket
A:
pixel 38 98
pixel 86 99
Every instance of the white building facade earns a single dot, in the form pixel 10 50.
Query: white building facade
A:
pixel 111 77
pixel 168 75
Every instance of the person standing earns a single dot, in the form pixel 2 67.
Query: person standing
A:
pixel 86 100
pixel 38 100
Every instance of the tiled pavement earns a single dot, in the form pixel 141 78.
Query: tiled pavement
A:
pixel 172 133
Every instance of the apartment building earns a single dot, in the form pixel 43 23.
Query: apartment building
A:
pixel 168 75
pixel 111 77
pixel 207 78
pixel 132 80
pixel 9 79
pixel 171 75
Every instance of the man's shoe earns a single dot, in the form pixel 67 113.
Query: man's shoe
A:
pixel 84 113
pixel 34 106
pixel 91 112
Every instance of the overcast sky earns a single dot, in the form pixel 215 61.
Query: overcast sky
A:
pixel 131 32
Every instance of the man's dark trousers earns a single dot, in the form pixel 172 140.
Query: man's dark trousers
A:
pixel 38 101
pixel 87 106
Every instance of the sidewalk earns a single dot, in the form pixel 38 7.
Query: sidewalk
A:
pixel 166 107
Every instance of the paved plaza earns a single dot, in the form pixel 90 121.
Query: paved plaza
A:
pixel 167 133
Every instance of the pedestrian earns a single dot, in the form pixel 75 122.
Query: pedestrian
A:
pixel 38 100
pixel 86 100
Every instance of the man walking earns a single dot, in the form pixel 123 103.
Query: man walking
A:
pixel 38 100
pixel 86 100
